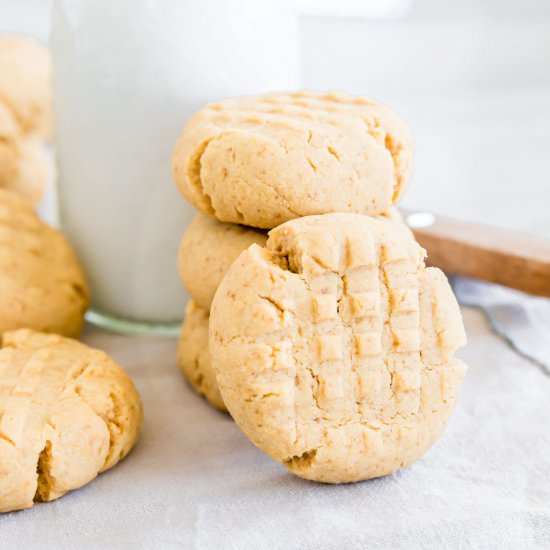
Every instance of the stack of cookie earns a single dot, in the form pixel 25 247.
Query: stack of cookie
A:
pixel 25 117
pixel 207 250
pixel 328 340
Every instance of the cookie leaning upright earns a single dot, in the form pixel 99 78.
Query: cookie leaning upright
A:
pixel 263 160
pixel 42 285
pixel 67 412
pixel 334 347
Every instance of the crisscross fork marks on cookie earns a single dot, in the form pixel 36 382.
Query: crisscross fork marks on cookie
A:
pixel 353 298
pixel 355 375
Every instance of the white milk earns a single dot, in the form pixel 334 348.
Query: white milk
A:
pixel 127 75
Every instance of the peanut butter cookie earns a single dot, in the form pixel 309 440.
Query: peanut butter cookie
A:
pixel 194 355
pixel 334 347
pixel 42 286
pixel 261 161
pixel 207 250
pixel 67 412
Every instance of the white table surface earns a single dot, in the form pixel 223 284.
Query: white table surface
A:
pixel 194 480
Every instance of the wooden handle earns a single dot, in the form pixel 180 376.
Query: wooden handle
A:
pixel 501 256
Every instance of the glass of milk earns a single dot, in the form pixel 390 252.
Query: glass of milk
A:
pixel 127 76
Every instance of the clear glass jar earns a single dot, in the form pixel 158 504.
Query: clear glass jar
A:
pixel 127 76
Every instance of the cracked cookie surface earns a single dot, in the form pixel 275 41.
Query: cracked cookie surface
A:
pixel 42 286
pixel 263 160
pixel 334 347
pixel 194 355
pixel 67 412
pixel 207 249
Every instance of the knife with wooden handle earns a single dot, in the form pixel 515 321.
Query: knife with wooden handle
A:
pixel 510 258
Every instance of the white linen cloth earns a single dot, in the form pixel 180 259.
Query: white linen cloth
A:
pixel 523 320
pixel 195 481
